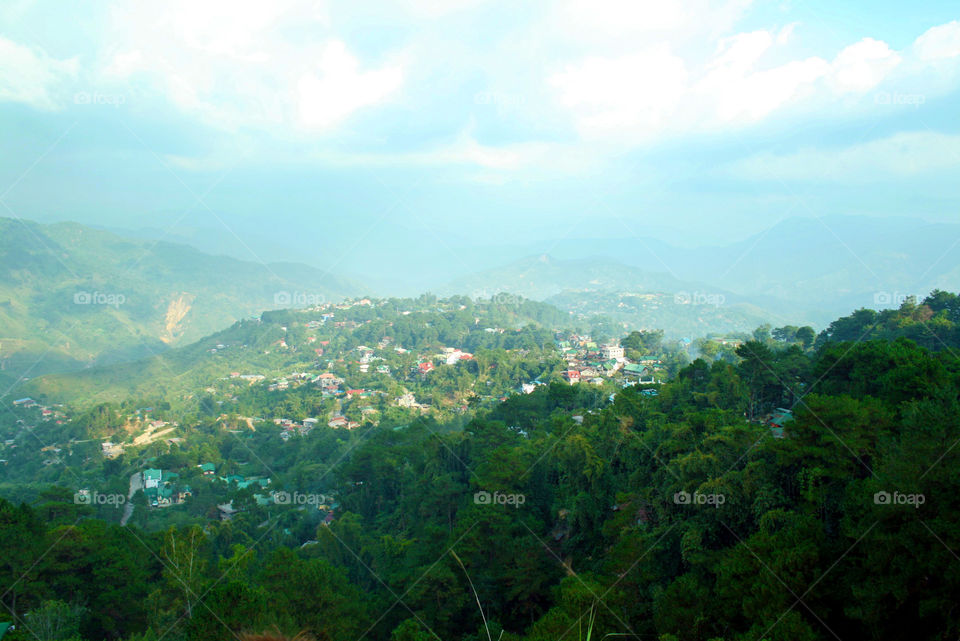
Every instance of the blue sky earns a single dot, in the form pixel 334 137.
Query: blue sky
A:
pixel 337 126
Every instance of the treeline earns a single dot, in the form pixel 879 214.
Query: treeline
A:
pixel 933 323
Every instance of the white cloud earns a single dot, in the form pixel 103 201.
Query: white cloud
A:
pixel 654 93
pixel 509 160
pixel 863 65
pixel 902 155
pixel 611 23
pixel 786 33
pixel 615 17
pixel 603 75
pixel 609 94
pixel 737 92
pixel 341 88
pixel 739 53
pixel 437 8
pixel 750 97
pixel 31 77
pixel 274 65
pixel 939 42
pixel 466 151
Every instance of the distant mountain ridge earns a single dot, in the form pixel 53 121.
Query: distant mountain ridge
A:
pixel 806 269
pixel 822 266
pixel 635 297
pixel 542 276
pixel 825 265
pixel 72 296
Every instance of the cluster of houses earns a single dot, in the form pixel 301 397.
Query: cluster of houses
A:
pixel 53 413
pixel 333 386
pixel 339 420
pixel 449 356
pixel 291 427
pixel 586 361
pixel 592 363
pixel 162 488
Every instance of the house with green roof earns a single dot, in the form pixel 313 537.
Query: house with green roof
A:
pixel 611 365
pixel 261 483
pixel 152 477
pixel 777 420
pixel 208 469
pixel 642 373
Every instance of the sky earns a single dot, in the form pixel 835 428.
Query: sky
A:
pixel 329 131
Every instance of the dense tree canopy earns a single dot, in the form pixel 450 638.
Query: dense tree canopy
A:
pixel 799 492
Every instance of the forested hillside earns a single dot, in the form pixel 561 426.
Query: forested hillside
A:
pixel 72 296
pixel 799 490
pixel 279 342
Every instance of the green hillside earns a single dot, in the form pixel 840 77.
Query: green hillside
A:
pixel 282 341
pixel 72 296
pixel 793 493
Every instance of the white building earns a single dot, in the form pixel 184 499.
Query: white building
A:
pixel 612 351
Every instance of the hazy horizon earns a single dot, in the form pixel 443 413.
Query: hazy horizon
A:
pixel 262 129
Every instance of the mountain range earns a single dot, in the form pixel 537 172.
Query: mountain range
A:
pixel 802 270
pixel 72 296
pixel 818 267
pixel 826 265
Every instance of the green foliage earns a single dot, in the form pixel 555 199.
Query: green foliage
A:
pixel 54 621
pixel 135 303
pixel 681 515
pixel 933 323
pixel 638 345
